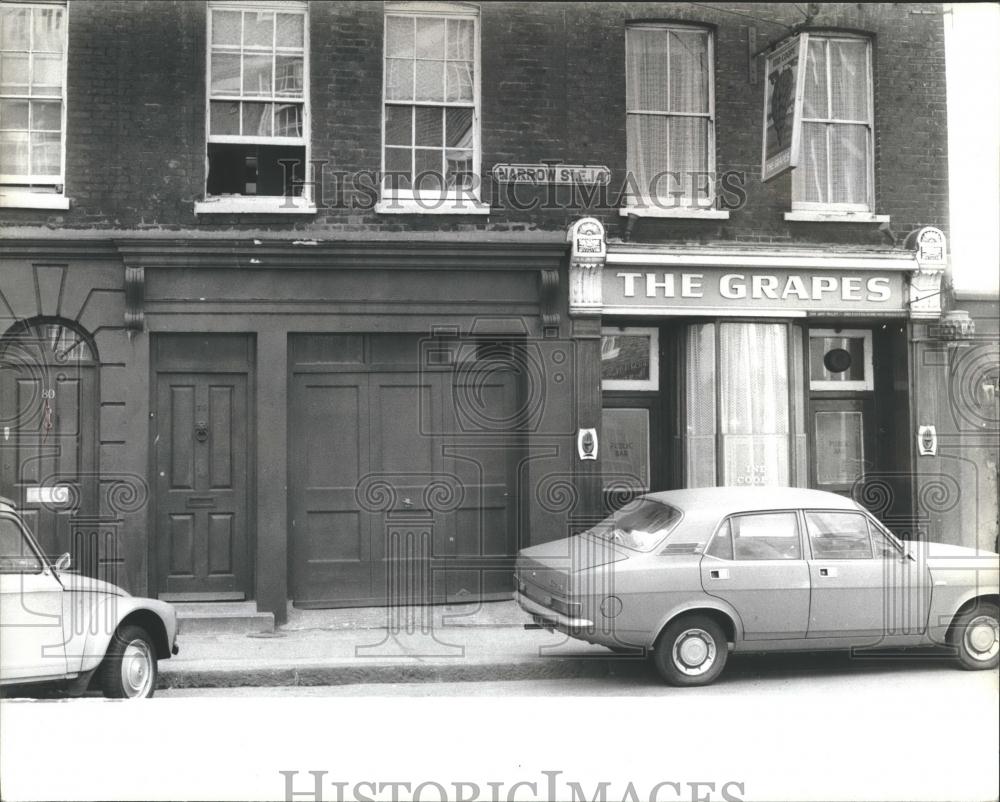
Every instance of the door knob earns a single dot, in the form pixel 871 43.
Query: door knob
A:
pixel 201 431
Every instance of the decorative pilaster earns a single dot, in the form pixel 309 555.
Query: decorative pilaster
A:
pixel 588 252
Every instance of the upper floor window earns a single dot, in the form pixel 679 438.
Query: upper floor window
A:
pixel 670 115
pixel 258 110
pixel 32 104
pixel 430 130
pixel 835 170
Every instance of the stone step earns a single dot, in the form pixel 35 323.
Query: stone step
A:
pixel 231 618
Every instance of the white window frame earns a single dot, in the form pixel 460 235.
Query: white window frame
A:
pixel 259 204
pixel 862 385
pixel 453 201
pixel 641 385
pixel 818 211
pixel 645 205
pixel 11 193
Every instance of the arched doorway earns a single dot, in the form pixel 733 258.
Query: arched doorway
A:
pixel 48 431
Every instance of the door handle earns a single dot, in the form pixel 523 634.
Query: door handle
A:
pixel 719 573
pixel 827 571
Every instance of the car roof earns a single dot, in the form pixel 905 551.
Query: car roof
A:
pixel 6 502
pixel 721 501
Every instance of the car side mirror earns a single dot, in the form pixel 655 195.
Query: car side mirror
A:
pixel 64 562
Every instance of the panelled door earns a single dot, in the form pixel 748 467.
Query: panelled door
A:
pixel 201 460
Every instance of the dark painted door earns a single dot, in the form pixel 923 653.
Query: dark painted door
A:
pixel 201 486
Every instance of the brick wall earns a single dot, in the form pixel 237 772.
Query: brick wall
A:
pixel 552 87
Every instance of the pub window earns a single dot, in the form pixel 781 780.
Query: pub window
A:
pixel 670 115
pixel 430 128
pixel 32 104
pixel 835 171
pixel 840 359
pixel 629 358
pixel 258 115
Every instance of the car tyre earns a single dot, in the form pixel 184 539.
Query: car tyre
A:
pixel 976 636
pixel 129 668
pixel 692 650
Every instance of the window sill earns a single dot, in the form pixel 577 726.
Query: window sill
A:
pixel 431 206
pixel 816 216
pixel 682 212
pixel 254 205
pixel 32 200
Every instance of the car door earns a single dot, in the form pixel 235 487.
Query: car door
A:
pixel 755 562
pixel 849 597
pixel 32 645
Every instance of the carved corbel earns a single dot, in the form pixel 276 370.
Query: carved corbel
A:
pixel 135 299
pixel 588 252
pixel 925 281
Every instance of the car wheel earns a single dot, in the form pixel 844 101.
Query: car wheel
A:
pixel 977 637
pixel 691 651
pixel 129 667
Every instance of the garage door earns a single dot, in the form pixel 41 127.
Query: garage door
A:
pixel 402 474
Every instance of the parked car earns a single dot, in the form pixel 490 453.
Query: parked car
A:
pixel 57 626
pixel 689 575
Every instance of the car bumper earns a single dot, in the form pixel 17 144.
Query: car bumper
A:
pixel 551 618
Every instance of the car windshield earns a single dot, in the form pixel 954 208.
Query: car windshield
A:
pixel 639 525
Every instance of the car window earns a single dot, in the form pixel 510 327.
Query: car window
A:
pixel 884 547
pixel 16 554
pixel 766 536
pixel 722 544
pixel 838 535
pixel 640 525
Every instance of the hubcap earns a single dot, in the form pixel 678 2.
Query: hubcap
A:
pixel 982 638
pixel 137 669
pixel 694 652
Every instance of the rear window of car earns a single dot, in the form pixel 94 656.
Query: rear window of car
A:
pixel 640 525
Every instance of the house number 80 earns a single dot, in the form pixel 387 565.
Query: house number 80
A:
pixel 48 393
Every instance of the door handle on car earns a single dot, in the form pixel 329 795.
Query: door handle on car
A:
pixel 827 571
pixel 719 573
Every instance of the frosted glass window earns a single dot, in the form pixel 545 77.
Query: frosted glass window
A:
pixel 625 448
pixel 839 447
pixel 700 428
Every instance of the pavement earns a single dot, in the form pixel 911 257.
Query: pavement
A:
pixel 484 641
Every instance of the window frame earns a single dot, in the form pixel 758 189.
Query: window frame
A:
pixel 857 385
pixel 18 193
pixel 644 204
pixel 457 200
pixel 229 204
pixel 652 384
pixel 841 208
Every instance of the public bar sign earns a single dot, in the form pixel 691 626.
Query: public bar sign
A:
pixel 551 173
pixel 773 292
pixel 784 88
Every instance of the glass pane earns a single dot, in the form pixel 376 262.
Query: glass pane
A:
pixel 16 556
pixel 458 128
pixel 461 43
pixel 839 448
pixel 288 76
pixel 257 75
pixel 837 358
pixel 460 81
pixel 225 27
pixel 290 30
pixel 46 116
pixel 398 166
pixel 688 141
pixel 625 357
pixel 14 73
pixel 648 139
pixel 258 29
pixel 256 119
pixel 430 38
pixel 838 535
pixel 398 125
pixel 46 74
pixel 849 160
pixel 809 178
pixel 287 119
pixel 688 71
pixel 814 102
pixel 429 171
pixel 49 35
pixel 756 460
pixel 429 80
pixel 398 79
pixel 700 406
pixel 774 536
pixel 427 126
pixel 458 168
pixel 646 69
pixel 225 118
pixel 14 114
pixel 14 153
pixel 849 80
pixel 14 28
pixel 625 458
pixel 226 73
pixel 399 37
pixel 46 154
pixel 722 544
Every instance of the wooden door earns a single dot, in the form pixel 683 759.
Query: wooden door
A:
pixel 201 459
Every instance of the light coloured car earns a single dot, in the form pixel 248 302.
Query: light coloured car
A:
pixel 690 575
pixel 57 626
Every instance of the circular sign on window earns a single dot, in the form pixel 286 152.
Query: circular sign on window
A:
pixel 837 360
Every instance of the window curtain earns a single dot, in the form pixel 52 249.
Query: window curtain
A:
pixel 700 430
